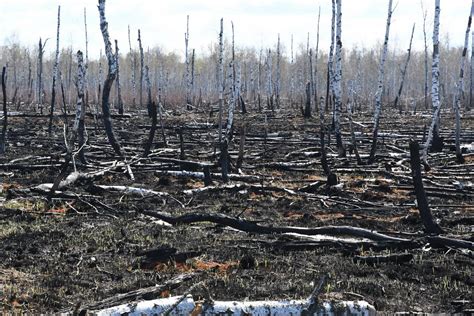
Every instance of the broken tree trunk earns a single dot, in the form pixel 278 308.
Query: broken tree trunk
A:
pixel 79 128
pixel 108 81
pixel 404 71
pixel 425 213
pixel 142 70
pixel 378 94
pixel 55 75
pixel 152 106
pixel 330 74
pixel 220 78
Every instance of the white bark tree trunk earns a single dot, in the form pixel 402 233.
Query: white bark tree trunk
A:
pixel 433 132
pixel 337 84
pixel 220 78
pixel 378 94
pixel 79 126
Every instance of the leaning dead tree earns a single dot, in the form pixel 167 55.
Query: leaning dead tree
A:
pixel 112 72
pixel 337 85
pixel 55 75
pixel 457 102
pixel 433 133
pixel 79 126
pixel 404 72
pixel 3 137
pixel 378 94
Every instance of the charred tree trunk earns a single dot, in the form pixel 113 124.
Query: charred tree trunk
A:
pixel 425 213
pixel 378 95
pixel 307 108
pixel 278 75
pixel 330 73
pixel 55 75
pixel 133 68
pixel 404 71
pixel 112 72
pixel 187 76
pixel 3 137
pixel 152 106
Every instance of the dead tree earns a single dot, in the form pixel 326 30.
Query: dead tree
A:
pixel 55 75
pixel 39 74
pixel 220 79
pixel 404 71
pixel 425 13
pixel 152 106
pixel 133 68
pixel 330 74
pixel 79 126
pixel 457 102
pixel 187 77
pixel 86 64
pixel 112 72
pixel 142 69
pixel 316 55
pixel 269 85
pixel 309 96
pixel 378 94
pixel 351 126
pixel 118 86
pixel 3 137
pixel 471 90
pixel 433 133
pixel 425 213
pixel 338 83
pixel 278 74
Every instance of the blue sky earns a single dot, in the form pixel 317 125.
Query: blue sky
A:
pixel 257 22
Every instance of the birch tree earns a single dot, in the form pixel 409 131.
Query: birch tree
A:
pixel 79 126
pixel 433 133
pixel 142 70
pixel 378 94
pixel 278 74
pixel 118 85
pixel 338 83
pixel 187 77
pixel 457 102
pixel 133 68
pixel 330 74
pixel 220 78
pixel 39 74
pixel 112 72
pixel 55 74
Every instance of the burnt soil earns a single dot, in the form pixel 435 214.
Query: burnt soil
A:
pixel 58 252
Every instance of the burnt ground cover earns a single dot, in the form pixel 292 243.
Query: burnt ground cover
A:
pixel 92 240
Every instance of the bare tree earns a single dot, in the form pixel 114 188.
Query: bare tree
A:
pixel 378 94
pixel 457 102
pixel 316 55
pixel 118 86
pixel 133 68
pixel 433 133
pixel 3 137
pixel 220 78
pixel 330 74
pixel 404 71
pixel 55 75
pixel 112 72
pixel 39 74
pixel 79 126
pixel 187 77
pixel 142 69
pixel 278 74
pixel 425 13
pixel 152 106
pixel 338 83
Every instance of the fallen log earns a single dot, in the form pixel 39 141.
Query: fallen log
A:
pixel 393 258
pixel 179 305
pixel 147 293
pixel 253 227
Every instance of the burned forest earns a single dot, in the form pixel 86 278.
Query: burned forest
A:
pixel 283 179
